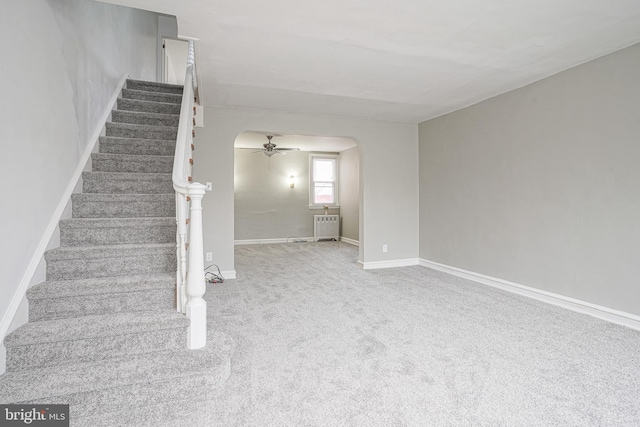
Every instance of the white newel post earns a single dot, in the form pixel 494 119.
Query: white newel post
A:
pixel 196 305
pixel 190 263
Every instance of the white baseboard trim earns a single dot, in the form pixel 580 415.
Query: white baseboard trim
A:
pixel 350 241
pixel 598 311
pixel 21 290
pixel 392 263
pixel 269 241
pixel 228 274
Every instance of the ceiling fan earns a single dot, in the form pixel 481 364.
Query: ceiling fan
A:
pixel 270 148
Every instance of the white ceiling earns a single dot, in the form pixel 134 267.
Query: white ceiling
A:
pixel 400 60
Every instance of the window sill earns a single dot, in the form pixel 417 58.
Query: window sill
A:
pixel 322 207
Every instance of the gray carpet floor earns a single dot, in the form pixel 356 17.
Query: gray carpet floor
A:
pixel 320 342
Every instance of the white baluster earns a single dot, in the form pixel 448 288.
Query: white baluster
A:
pixel 179 270
pixel 182 291
pixel 181 252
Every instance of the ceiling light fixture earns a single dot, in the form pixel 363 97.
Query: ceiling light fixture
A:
pixel 270 148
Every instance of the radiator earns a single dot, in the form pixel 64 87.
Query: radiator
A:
pixel 326 227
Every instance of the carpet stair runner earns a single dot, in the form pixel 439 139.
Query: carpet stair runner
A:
pixel 103 333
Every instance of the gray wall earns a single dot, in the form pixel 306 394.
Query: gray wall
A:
pixel 350 193
pixel 541 186
pixel 167 27
pixel 266 207
pixel 389 184
pixel 63 60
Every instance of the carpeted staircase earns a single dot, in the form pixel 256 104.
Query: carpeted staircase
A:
pixel 103 332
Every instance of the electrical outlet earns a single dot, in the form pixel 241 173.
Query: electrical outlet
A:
pixel 384 248
pixel 209 256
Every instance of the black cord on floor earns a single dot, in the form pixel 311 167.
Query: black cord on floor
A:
pixel 213 277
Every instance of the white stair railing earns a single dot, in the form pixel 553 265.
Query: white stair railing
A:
pixel 189 251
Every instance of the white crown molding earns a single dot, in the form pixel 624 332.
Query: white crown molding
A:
pixel 598 311
pixel 392 263
pixel 38 255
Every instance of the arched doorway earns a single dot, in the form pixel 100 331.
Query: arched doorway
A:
pixel 274 186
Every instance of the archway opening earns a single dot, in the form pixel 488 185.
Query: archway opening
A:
pixel 278 191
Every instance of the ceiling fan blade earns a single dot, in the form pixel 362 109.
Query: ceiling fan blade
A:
pixel 287 149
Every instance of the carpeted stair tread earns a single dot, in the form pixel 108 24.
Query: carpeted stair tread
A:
pixel 107 251
pixel 141 146
pixel 114 231
pixel 154 86
pixel 102 162
pixel 94 326
pixel 87 386
pixel 78 262
pixel 125 104
pixel 172 98
pixel 127 183
pixel 100 286
pixel 85 297
pixel 142 118
pixel 116 222
pixel 99 205
pixel 127 130
pixel 97 337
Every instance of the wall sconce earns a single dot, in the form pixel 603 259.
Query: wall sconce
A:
pixel 292 181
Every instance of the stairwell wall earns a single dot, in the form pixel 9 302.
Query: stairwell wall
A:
pixel 63 60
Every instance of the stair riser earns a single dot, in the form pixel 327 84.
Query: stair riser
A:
pixel 188 410
pixel 92 236
pixel 152 96
pixel 69 269
pixel 139 119
pixel 147 106
pixel 140 395
pixel 135 209
pixel 137 146
pixel 153 87
pixel 94 349
pixel 123 185
pixel 149 165
pixel 133 131
pixel 88 305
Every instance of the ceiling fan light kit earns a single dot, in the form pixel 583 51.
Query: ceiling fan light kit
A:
pixel 270 148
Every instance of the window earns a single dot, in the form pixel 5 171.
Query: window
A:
pixel 323 173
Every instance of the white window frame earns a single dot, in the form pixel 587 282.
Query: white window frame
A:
pixel 336 198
